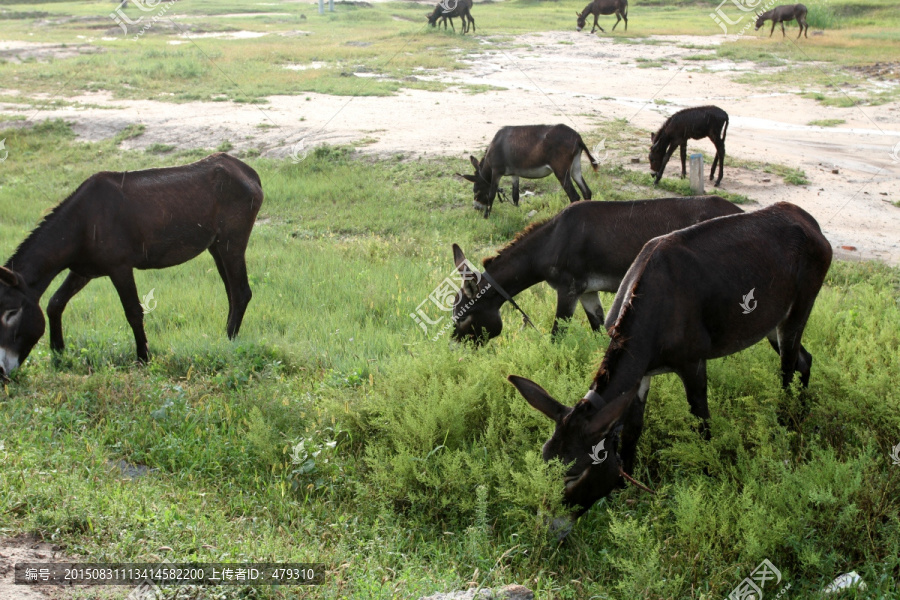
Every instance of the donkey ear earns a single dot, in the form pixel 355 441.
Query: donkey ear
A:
pixel 610 414
pixel 470 276
pixel 8 277
pixel 467 177
pixel 474 162
pixel 538 397
pixel 577 14
pixel 652 137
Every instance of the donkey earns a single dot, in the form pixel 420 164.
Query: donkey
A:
pixel 460 8
pixel 586 248
pixel 780 14
pixel 603 7
pixel 117 222
pixel 691 123
pixel 687 298
pixel 533 152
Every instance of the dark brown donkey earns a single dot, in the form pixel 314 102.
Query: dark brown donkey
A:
pixel 780 14
pixel 533 152
pixel 117 222
pixel 448 9
pixel 688 298
pixel 603 7
pixel 689 124
pixel 586 248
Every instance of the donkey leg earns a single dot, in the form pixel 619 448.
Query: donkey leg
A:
pixel 773 28
pixel 683 159
pixel 123 280
pixel 720 155
pixel 590 302
pixel 579 178
pixel 782 29
pixel 515 190
pixel 220 267
pixel 633 425
pixel 73 284
pixel 804 358
pixel 566 301
pixel 231 253
pixel 565 179
pixel 618 18
pixel 693 377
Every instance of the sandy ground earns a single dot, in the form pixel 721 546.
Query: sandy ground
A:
pixel 573 78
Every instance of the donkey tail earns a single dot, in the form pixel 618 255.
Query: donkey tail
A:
pixel 625 8
pixel 584 148
pixel 725 129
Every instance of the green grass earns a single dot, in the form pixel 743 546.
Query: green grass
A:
pixel 826 122
pixel 333 430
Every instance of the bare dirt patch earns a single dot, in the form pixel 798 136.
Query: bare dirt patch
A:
pixel 581 80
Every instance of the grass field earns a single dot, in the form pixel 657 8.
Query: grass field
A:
pixel 334 431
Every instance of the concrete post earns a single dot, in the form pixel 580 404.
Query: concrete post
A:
pixel 696 174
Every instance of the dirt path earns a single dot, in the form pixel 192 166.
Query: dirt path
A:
pixel 576 79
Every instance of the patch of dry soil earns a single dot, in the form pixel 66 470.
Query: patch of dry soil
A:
pixel 580 80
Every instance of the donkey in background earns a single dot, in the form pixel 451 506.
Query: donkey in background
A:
pixel 603 7
pixel 678 306
pixel 533 152
pixel 780 14
pixel 460 9
pixel 117 222
pixel 586 248
pixel 689 124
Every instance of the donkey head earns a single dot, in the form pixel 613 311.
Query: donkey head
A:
pixel 582 18
pixel 481 186
pixel 476 316
pixel 21 321
pixel 434 16
pixel 656 153
pixel 584 439
pixel 760 21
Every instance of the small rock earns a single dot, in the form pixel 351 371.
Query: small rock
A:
pixel 844 582
pixel 634 161
pixel 850 248
pixel 766 180
pixel 531 214
pixel 834 171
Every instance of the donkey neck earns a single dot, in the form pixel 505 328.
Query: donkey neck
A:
pixel 515 270
pixel 47 251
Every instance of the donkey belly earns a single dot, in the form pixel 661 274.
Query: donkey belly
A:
pixel 532 173
pixel 602 283
pixel 168 253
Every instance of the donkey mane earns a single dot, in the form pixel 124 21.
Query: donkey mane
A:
pixel 55 213
pixel 617 341
pixel 532 228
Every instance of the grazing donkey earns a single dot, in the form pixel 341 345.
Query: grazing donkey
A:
pixel 685 300
pixel 603 7
pixel 586 248
pixel 117 222
pixel 694 124
pixel 533 152
pixel 460 8
pixel 780 14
